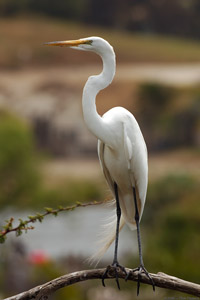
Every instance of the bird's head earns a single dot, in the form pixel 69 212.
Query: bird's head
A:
pixel 94 44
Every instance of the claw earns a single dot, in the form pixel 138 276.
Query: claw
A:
pixel 141 269
pixel 116 267
pixel 117 279
pixel 105 275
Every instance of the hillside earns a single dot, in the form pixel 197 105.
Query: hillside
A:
pixel 22 44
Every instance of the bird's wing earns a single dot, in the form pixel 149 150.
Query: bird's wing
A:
pixel 137 170
pixel 101 147
pixel 128 150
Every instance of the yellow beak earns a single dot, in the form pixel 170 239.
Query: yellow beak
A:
pixel 69 43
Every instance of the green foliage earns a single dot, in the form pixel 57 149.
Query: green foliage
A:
pixel 181 128
pixel 165 122
pixel 169 193
pixel 19 178
pixel 169 189
pixel 80 190
pixel 72 191
pixel 20 182
pixel 154 97
pixel 171 219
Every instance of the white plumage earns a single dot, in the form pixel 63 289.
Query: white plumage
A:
pixel 125 164
pixel 121 146
pixel 121 149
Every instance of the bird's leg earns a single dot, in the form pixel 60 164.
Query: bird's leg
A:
pixel 141 267
pixel 118 211
pixel 115 263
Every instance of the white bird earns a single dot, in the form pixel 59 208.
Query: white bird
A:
pixel 121 149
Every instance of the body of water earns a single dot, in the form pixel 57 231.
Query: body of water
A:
pixel 71 233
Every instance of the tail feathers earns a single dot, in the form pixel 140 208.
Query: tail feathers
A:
pixel 107 236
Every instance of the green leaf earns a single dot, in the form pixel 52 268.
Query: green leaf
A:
pixel 49 209
pixel 2 238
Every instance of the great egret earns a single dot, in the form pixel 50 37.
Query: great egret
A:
pixel 121 149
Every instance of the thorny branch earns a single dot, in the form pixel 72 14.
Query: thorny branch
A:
pixel 42 292
pixel 162 280
pixel 24 224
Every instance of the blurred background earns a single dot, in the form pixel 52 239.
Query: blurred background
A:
pixel 48 157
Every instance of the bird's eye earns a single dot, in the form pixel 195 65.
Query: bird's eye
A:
pixel 89 42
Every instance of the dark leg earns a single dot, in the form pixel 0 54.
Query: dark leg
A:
pixel 138 228
pixel 141 268
pixel 118 211
pixel 115 263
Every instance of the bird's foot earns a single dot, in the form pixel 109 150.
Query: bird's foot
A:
pixel 141 269
pixel 114 268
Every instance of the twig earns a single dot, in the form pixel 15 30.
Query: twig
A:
pixel 162 280
pixel 22 226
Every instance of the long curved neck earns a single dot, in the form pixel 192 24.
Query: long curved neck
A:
pixel 94 84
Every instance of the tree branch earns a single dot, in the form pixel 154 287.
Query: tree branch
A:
pixel 162 280
pixel 23 224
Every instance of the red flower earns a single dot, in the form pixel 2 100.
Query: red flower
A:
pixel 38 257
